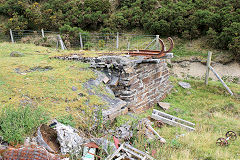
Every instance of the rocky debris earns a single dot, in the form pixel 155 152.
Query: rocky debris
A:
pixel 124 132
pixel 164 106
pixel 16 54
pixel 69 139
pixel 184 64
pixel 114 107
pixel 184 85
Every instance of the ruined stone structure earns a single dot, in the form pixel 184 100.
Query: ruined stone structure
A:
pixel 139 82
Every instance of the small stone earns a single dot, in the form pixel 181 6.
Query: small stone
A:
pixel 74 88
pixel 164 106
pixel 16 54
pixel 188 92
pixel 81 94
pixel 184 64
pixel 184 85
pixel 105 80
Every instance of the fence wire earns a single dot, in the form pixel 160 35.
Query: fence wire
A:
pixel 86 41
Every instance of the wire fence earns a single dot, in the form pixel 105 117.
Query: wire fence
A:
pixel 86 41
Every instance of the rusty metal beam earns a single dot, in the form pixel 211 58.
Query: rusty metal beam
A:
pixel 153 53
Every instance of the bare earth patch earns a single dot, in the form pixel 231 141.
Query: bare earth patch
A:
pixel 229 72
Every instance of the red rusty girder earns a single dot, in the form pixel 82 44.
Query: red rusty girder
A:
pixel 153 53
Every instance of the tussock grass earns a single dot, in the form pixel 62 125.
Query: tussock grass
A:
pixel 212 110
pixel 51 89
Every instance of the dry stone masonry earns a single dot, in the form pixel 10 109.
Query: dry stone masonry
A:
pixel 139 82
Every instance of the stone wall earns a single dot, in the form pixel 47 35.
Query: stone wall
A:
pixel 138 81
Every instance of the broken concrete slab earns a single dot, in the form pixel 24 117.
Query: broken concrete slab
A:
pixel 184 85
pixel 164 106
pixel 69 139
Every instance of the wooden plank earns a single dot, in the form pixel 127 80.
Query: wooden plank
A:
pixel 171 122
pixel 157 42
pixel 110 157
pixel 220 79
pixel 162 140
pixel 150 44
pixel 133 153
pixel 42 33
pixel 172 117
pixel 141 152
pixel 80 39
pixel 63 47
pixel 117 41
pixel 208 65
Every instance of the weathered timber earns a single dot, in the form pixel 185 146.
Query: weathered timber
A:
pixel 171 120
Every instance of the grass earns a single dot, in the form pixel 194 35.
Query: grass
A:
pixel 51 89
pixel 16 123
pixel 212 110
pixel 210 107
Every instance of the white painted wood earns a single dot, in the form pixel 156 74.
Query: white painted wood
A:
pixel 11 35
pixel 170 122
pixel 131 152
pixel 157 112
pixel 157 42
pixel 63 47
pixel 141 152
pixel 110 157
pixel 42 33
pixel 80 39
pixel 207 67
pixel 117 41
pixel 220 79
pixel 150 43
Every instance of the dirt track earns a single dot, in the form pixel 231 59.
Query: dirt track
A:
pixel 229 72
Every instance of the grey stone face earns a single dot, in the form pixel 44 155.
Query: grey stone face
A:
pixel 138 81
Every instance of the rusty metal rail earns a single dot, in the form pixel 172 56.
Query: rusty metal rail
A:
pixel 153 53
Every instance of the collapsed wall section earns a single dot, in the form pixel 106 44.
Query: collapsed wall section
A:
pixel 140 82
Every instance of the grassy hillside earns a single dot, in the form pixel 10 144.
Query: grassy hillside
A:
pixel 23 80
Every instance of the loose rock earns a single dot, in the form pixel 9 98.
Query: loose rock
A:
pixel 16 54
pixel 184 85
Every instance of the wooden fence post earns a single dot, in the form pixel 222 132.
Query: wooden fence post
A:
pixel 11 35
pixel 117 40
pixel 80 39
pixel 157 42
pixel 128 45
pixel 208 65
pixel 42 33
pixel 63 47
